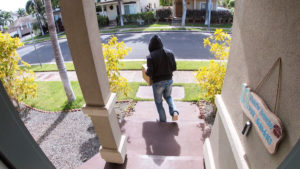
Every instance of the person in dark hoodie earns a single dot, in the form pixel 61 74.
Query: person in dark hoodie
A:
pixel 161 64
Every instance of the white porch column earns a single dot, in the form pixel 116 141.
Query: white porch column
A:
pixel 195 4
pixel 84 41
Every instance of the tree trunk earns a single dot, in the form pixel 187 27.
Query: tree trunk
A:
pixel 183 13
pixel 38 17
pixel 39 21
pixel 57 53
pixel 120 12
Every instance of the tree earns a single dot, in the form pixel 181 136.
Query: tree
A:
pixel 120 13
pixel 57 53
pixel 1 18
pixel 36 7
pixel 210 78
pixel 5 18
pixel 183 13
pixel 113 51
pixel 21 12
pixel 19 83
pixel 55 4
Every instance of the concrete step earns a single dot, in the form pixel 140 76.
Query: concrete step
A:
pixel 153 145
pixel 147 162
pixel 163 139
pixel 146 111
pixel 113 23
pixel 176 22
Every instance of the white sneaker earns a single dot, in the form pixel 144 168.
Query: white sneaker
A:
pixel 175 116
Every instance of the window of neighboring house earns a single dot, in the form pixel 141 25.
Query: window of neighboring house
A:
pixel 130 8
pixel 203 5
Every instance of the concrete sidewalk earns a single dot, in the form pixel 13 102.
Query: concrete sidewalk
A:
pixel 131 76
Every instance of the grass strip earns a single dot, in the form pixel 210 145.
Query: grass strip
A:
pixel 44 38
pixel 51 95
pixel 124 65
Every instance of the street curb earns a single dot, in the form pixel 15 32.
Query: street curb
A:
pixel 173 31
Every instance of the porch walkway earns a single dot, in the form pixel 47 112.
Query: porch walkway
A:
pixel 153 145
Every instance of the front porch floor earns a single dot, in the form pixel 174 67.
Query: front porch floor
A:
pixel 153 145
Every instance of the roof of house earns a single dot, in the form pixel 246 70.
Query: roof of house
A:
pixel 107 2
pixel 22 21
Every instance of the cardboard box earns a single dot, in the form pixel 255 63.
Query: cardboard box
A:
pixel 146 77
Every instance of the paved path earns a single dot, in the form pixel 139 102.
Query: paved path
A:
pixel 131 76
pixel 146 92
pixel 153 145
pixel 185 45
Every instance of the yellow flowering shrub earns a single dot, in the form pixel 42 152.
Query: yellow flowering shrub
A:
pixel 113 51
pixel 19 83
pixel 211 78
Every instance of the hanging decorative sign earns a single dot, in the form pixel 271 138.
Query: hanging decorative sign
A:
pixel 267 124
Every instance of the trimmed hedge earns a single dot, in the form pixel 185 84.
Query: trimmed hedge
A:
pixel 162 14
pixel 148 18
pixel 102 20
pixel 217 17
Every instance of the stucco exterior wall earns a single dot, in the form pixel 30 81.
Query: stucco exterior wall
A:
pixel 112 14
pixel 221 146
pixel 264 30
pixel 144 3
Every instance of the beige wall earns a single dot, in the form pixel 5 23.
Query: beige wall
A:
pixel 112 14
pixel 221 147
pixel 263 31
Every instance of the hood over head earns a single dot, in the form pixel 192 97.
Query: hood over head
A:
pixel 155 43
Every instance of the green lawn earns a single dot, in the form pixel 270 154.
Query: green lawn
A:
pixel 42 38
pixel 109 31
pixel 49 67
pixel 124 65
pixel 51 95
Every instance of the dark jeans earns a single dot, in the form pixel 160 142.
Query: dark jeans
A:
pixel 163 89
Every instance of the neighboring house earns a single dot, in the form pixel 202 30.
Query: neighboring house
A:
pixel 20 26
pixel 191 4
pixel 110 7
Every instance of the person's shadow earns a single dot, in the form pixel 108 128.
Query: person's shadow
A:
pixel 160 140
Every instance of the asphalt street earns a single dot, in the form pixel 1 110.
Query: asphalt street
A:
pixel 185 45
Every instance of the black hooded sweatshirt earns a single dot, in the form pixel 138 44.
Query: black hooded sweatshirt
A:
pixel 161 62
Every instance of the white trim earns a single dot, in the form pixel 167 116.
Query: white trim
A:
pixel 208 155
pixel 232 135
